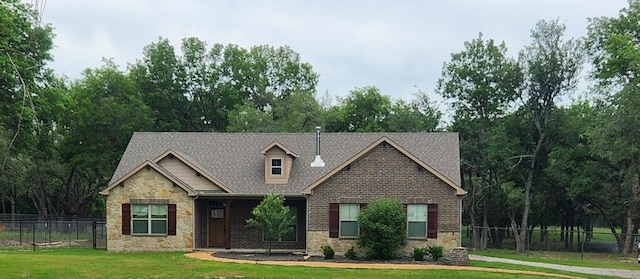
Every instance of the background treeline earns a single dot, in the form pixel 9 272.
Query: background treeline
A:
pixel 527 161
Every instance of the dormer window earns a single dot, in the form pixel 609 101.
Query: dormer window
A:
pixel 278 160
pixel 276 166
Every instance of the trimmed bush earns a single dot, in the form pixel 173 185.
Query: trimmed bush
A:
pixel 419 253
pixel 351 254
pixel 382 228
pixel 328 251
pixel 436 252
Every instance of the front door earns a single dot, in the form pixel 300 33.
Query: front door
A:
pixel 217 227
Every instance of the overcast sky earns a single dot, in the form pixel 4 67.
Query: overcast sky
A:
pixel 398 46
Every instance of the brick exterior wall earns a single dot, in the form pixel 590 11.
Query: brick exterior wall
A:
pixel 245 238
pixel 201 219
pixel 384 172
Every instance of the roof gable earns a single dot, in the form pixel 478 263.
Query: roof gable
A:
pixel 157 168
pixel 193 165
pixel 459 190
pixel 279 145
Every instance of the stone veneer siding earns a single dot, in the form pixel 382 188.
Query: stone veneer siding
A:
pixel 383 172
pixel 149 184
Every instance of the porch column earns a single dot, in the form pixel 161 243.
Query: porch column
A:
pixel 227 229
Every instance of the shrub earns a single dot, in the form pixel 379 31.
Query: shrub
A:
pixel 419 253
pixel 382 228
pixel 436 252
pixel 327 251
pixel 272 218
pixel 351 254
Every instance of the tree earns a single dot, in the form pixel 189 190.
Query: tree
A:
pixel 156 77
pixel 298 111
pixel 481 83
pixel 199 90
pixel 613 45
pixel 614 137
pixel 271 218
pixel 246 118
pixel 363 110
pixel 481 80
pixel 551 68
pixel 414 116
pixel 575 177
pixel 24 51
pixel 382 228
pixel 107 109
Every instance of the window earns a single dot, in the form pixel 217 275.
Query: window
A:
pixel 292 235
pixel 349 220
pixel 149 218
pixel 417 220
pixel 276 166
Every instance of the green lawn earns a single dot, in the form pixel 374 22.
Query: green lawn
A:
pixel 601 260
pixel 87 263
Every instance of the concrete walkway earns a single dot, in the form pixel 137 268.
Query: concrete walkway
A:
pixel 624 273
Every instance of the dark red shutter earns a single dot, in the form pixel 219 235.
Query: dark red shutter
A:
pixel 126 218
pixel 334 220
pixel 171 219
pixel 432 221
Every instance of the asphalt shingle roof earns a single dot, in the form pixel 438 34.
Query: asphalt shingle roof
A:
pixel 235 158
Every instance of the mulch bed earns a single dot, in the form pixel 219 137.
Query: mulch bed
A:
pixel 296 257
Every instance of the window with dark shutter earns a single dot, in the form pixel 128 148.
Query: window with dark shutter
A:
pixel 334 220
pixel 417 220
pixel 349 220
pixel 432 221
pixel 171 219
pixel 126 219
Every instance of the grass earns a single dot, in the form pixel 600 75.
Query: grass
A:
pixel 88 263
pixel 600 260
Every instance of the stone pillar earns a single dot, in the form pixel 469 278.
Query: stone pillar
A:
pixel 459 256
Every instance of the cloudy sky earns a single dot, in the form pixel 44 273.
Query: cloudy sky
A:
pixel 398 46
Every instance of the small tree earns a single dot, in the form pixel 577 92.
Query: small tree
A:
pixel 272 218
pixel 382 228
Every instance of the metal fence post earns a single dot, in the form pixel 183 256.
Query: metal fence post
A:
pixel 95 234
pixel 20 230
pixel 33 235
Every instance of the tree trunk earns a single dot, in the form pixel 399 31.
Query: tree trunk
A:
pixel 519 234
pixel 471 206
pixel 629 240
pixel 485 224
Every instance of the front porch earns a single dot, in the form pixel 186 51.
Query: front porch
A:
pixel 220 225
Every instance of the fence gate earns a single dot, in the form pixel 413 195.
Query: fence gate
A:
pixel 99 235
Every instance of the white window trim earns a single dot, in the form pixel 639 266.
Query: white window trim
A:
pixel 340 220
pixel 281 166
pixel 426 219
pixel 149 219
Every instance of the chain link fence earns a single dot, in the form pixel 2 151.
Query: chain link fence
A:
pixel 34 231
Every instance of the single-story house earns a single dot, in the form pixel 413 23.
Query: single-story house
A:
pixel 183 191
